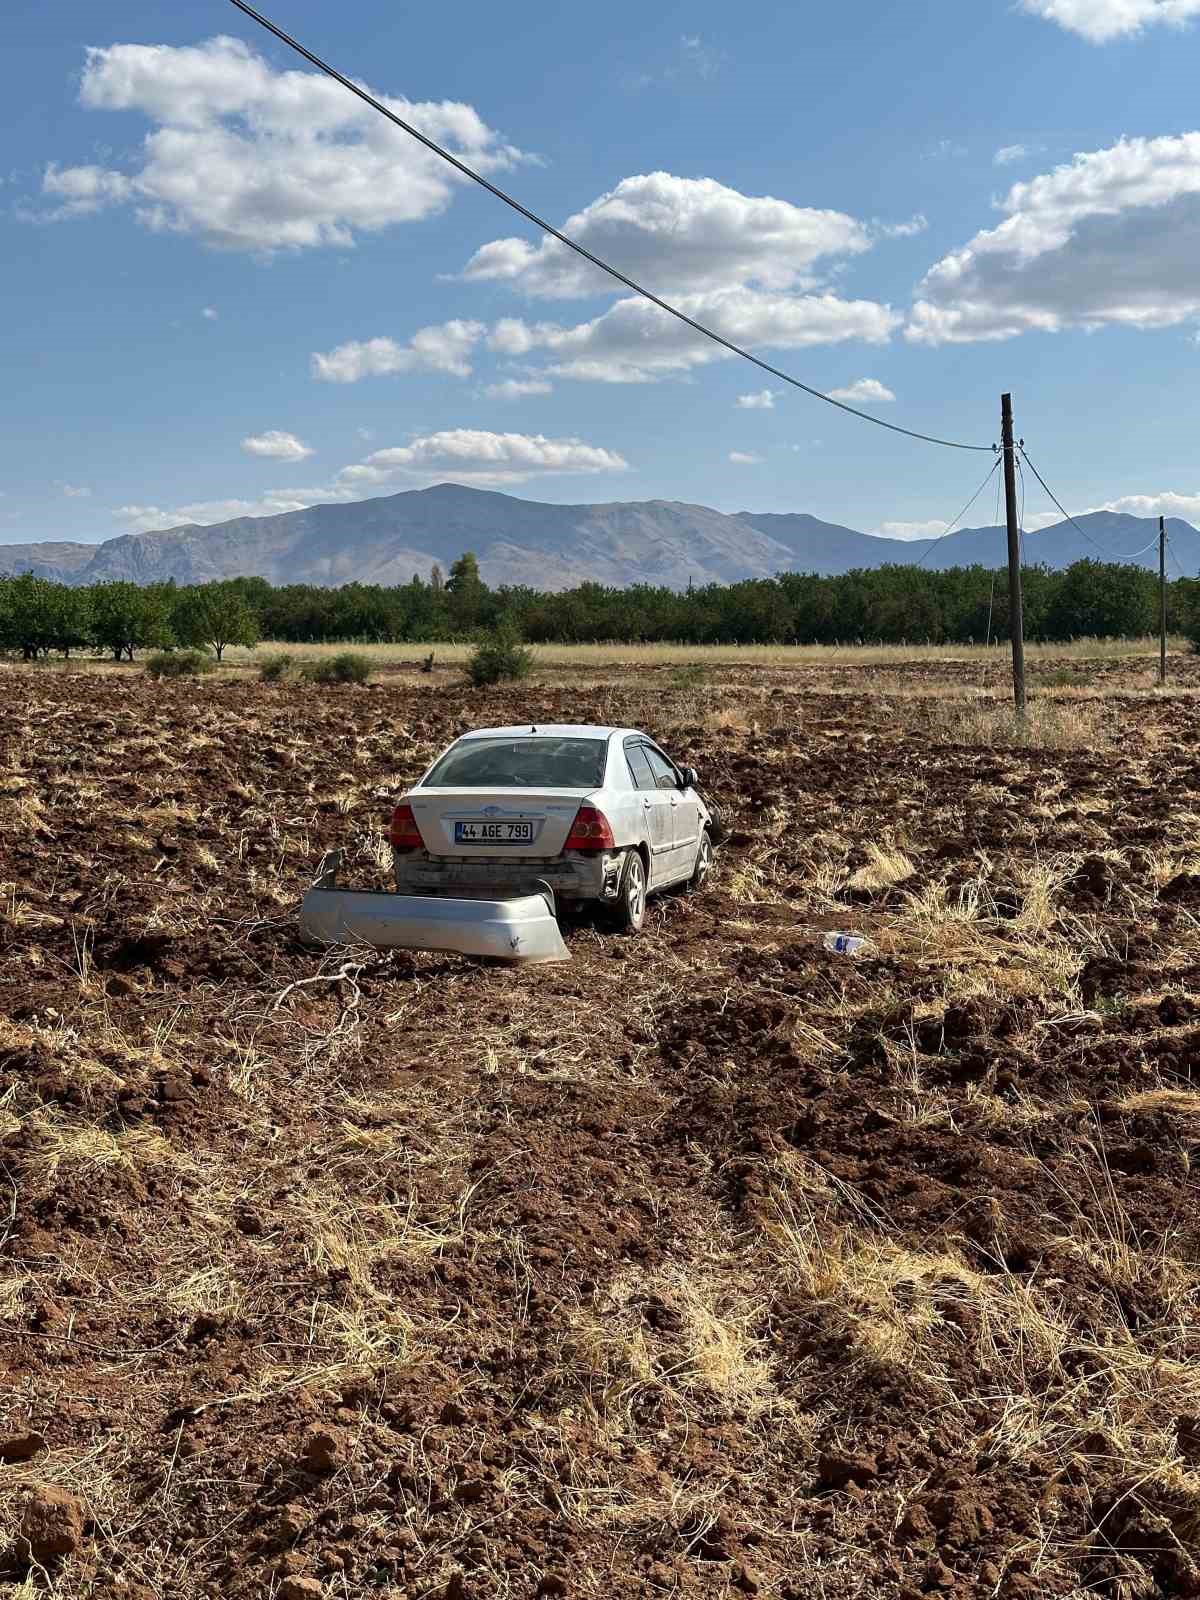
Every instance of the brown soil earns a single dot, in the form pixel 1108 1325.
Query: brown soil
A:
pixel 709 1263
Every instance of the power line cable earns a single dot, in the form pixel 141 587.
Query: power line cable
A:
pixel 1175 558
pixel 581 250
pixel 1112 556
pixel 1021 511
pixel 950 526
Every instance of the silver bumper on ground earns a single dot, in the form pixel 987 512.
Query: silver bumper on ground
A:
pixel 523 929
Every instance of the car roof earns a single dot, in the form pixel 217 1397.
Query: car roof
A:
pixel 553 730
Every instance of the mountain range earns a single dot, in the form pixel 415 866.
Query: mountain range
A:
pixel 387 539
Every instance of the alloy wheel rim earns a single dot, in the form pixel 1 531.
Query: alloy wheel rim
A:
pixel 636 891
pixel 705 860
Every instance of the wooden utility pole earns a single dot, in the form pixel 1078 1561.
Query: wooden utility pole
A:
pixel 1016 614
pixel 1162 601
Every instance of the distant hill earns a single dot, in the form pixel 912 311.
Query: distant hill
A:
pixel 385 540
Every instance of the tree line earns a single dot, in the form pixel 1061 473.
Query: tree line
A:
pixel 890 605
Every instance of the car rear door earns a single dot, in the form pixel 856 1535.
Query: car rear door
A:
pixel 656 811
pixel 687 824
pixel 666 780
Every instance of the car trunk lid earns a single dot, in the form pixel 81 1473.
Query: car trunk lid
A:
pixel 477 822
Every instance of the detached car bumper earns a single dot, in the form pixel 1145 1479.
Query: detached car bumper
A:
pixel 523 928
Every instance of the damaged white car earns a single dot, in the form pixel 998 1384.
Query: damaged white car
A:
pixel 507 823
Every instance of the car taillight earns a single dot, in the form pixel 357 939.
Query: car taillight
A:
pixel 403 831
pixel 590 831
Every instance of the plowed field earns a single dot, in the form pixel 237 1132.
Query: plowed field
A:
pixel 707 1264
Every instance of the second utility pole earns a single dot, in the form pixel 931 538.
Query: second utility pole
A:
pixel 1016 615
pixel 1162 601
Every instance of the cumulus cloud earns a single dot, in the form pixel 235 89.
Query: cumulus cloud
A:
pixel 863 392
pixel 634 342
pixel 931 529
pixel 472 455
pixel 1111 237
pixel 518 388
pixel 1166 504
pixel 248 158
pixel 744 458
pixel 276 446
pixel 1008 153
pixel 917 223
pixel 676 235
pixel 1098 21
pixel 444 347
pixel 463 455
pixel 762 400
pixel 147 518
pixel 75 491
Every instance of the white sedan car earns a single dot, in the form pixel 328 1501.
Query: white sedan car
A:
pixel 600 814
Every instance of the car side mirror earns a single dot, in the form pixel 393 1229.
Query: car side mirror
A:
pixel 689 777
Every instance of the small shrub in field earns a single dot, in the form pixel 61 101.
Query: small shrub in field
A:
pixel 500 658
pixel 179 664
pixel 272 668
pixel 689 676
pixel 346 667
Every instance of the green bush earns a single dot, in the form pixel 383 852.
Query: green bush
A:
pixel 179 664
pixel 690 676
pixel 272 668
pixel 499 658
pixel 346 667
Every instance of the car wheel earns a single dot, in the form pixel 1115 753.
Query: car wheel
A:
pixel 629 912
pixel 703 866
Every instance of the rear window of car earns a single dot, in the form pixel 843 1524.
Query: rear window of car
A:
pixel 529 763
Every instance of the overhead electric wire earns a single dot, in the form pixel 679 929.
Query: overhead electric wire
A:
pixel 950 526
pixel 581 250
pixel 1021 512
pixel 1112 556
pixel 1175 559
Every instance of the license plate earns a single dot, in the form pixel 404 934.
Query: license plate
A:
pixel 493 833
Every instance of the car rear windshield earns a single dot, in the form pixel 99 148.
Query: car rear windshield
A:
pixel 527 763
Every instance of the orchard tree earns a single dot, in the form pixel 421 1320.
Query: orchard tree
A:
pixel 28 615
pixel 127 617
pixel 468 595
pixel 215 614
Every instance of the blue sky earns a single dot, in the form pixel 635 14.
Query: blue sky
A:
pixel 230 289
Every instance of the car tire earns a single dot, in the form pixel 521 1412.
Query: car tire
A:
pixel 629 912
pixel 703 865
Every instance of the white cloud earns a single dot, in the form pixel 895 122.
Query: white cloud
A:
pixel 462 455
pixel 444 347
pixel 1166 504
pixel 1008 153
pixel 863 392
pixel 518 388
pixel 762 400
pixel 911 530
pixel 1111 237
pixel 676 235
pixel 1101 20
pixel 470 455
pixel 276 446
pixel 75 491
pixel 209 314
pixel 917 223
pixel 248 158
pixel 634 342
pixel 744 458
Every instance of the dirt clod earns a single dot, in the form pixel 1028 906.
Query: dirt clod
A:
pixel 52 1523
pixel 20 1446
pixel 323 1449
